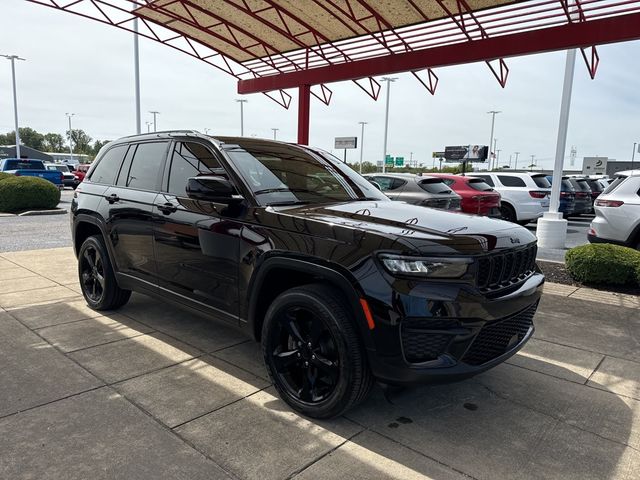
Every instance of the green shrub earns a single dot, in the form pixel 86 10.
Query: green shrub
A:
pixel 5 175
pixel 27 193
pixel 604 263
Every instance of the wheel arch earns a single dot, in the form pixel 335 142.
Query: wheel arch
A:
pixel 278 274
pixel 84 226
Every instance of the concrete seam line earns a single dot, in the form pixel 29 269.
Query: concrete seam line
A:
pixel 595 369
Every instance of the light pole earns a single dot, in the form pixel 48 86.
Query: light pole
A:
pixel 275 130
pixel 154 113
pixel 495 152
pixel 531 165
pixel 362 124
pixel 516 165
pixel 13 59
pixel 241 101
pixel 389 80
pixel 206 131
pixel 633 155
pixel 493 121
pixel 149 126
pixel 69 115
pixel 136 74
pixel 498 158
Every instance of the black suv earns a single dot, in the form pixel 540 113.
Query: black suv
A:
pixel 340 285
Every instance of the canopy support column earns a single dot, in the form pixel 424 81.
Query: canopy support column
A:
pixel 304 104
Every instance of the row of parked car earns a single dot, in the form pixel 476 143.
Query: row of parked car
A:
pixel 516 197
pixel 61 175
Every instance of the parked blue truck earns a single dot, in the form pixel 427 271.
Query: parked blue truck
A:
pixel 27 167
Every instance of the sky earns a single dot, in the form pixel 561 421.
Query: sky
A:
pixel 78 65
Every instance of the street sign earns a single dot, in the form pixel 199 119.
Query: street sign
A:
pixel 346 142
pixel 437 154
pixel 388 160
pixel 471 153
pixel 399 161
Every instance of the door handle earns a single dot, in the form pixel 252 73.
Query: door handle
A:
pixel 166 208
pixel 113 198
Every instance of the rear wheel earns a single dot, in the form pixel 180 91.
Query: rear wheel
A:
pixel 313 353
pixel 508 213
pixel 97 280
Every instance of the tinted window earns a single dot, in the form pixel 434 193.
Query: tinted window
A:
pixel 447 181
pixel 595 186
pixel 389 183
pixel 613 185
pixel 541 181
pixel 434 185
pixel 23 165
pixel 190 160
pixel 480 185
pixel 488 180
pixel 107 168
pixel 584 185
pixel 508 181
pixel 566 185
pixel 145 166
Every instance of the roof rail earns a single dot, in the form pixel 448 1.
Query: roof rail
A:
pixel 161 132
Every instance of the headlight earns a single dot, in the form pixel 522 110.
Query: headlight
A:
pixel 425 267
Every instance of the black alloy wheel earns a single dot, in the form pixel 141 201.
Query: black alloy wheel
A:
pixel 92 274
pixel 97 280
pixel 508 213
pixel 313 352
pixel 305 355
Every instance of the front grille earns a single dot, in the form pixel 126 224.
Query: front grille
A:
pixel 424 340
pixel 497 338
pixel 504 269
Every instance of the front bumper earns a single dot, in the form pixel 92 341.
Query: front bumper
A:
pixel 435 333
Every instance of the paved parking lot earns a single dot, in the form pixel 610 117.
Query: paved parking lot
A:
pixel 154 392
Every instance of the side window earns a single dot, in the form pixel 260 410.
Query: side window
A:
pixel 509 181
pixel 384 182
pixel 190 160
pixel 487 178
pixel 107 167
pixel 145 166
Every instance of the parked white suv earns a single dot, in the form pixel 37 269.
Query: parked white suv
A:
pixel 525 196
pixel 618 213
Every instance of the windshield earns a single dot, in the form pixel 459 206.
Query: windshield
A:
pixel 23 165
pixel 282 174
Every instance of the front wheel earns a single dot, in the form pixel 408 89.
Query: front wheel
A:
pixel 313 353
pixel 97 280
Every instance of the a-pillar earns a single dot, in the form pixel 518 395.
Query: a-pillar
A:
pixel 304 103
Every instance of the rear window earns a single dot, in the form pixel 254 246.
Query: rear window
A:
pixel 480 185
pixel 488 180
pixel 24 165
pixel 613 185
pixel 143 174
pixel 388 183
pixel 584 185
pixel 509 181
pixel 434 185
pixel 541 181
pixel 595 185
pixel 566 185
pixel 108 165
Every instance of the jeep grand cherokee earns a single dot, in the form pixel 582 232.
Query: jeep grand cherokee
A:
pixel 340 285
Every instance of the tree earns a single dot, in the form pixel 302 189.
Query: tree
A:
pixel 30 138
pixel 80 140
pixel 54 142
pixel 98 144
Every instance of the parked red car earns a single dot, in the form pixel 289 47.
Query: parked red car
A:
pixel 478 197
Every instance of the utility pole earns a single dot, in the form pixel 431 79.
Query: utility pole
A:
pixel 274 132
pixel 362 124
pixel 149 126
pixel 69 115
pixel 241 101
pixel 155 125
pixel 498 158
pixel 13 59
pixel 531 164
pixel 389 80
pixel 495 152
pixel 516 165
pixel 493 121
pixel 633 155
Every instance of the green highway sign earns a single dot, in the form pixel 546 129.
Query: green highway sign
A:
pixel 399 161
pixel 388 160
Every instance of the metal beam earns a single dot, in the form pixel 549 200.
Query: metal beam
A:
pixel 574 35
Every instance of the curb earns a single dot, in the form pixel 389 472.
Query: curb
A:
pixel 592 295
pixel 55 211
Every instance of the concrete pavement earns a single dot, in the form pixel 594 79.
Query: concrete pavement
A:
pixel 151 391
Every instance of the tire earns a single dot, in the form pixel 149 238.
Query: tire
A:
pixel 508 213
pixel 313 353
pixel 97 280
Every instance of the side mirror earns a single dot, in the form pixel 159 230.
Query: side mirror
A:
pixel 212 189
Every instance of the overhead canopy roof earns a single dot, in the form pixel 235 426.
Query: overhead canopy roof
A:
pixel 253 29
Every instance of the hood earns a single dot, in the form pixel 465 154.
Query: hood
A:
pixel 418 226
